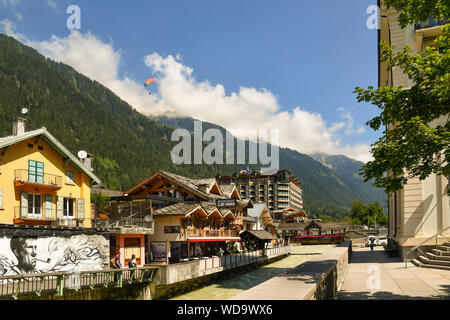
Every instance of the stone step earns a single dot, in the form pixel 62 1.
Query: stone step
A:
pixel 437 257
pixel 428 261
pixel 416 262
pixel 440 252
pixel 426 265
pixel 444 248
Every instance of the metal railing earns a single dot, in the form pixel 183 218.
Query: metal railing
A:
pixel 245 257
pixel 23 175
pixel 196 232
pixel 55 283
pixel 426 240
pixel 431 22
pixel 45 214
pixel 129 222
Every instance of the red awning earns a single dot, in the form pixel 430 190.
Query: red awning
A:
pixel 213 239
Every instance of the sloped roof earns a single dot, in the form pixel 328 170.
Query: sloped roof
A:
pixel 259 234
pixel 178 209
pixel 208 206
pixel 100 188
pixel 227 190
pixel 184 208
pixel 208 183
pixel 52 141
pixel 192 185
pixel 256 211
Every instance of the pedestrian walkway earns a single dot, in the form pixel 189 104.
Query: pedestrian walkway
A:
pixel 374 275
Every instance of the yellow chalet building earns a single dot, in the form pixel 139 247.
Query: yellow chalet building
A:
pixel 41 182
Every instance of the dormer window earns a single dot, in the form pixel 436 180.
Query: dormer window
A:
pixel 70 177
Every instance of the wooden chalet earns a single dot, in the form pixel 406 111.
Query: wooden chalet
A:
pixel 189 217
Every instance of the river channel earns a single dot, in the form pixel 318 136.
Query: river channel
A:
pixel 226 289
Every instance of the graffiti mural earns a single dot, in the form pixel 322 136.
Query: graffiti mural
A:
pixel 26 255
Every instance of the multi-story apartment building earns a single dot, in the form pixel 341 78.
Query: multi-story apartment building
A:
pixel 421 209
pixel 277 189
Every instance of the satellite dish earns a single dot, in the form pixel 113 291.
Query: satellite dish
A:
pixel 148 218
pixel 82 154
pixel 24 111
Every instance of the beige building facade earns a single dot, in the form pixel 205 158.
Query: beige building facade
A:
pixel 421 209
pixel 278 190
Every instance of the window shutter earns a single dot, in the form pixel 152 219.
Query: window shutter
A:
pixel 1 198
pixel 48 206
pixel 31 171
pixel 80 209
pixel 59 207
pixel 39 172
pixel 24 205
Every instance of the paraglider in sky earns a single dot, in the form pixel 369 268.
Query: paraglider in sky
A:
pixel 150 80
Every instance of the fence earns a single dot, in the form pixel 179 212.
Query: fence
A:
pixel 56 283
pixel 243 258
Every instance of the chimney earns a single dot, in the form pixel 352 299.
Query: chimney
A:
pixel 19 127
pixel 87 162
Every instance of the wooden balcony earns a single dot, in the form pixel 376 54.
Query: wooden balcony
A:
pixel 207 232
pixel 44 217
pixel 22 177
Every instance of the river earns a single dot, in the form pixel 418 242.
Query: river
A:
pixel 225 289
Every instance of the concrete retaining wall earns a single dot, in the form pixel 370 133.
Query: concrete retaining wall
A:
pixel 316 279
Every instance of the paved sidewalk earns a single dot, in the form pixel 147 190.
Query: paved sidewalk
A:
pixel 395 282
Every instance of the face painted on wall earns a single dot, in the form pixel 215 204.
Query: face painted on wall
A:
pixel 26 254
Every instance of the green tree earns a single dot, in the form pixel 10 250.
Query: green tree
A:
pixel 358 212
pixel 413 145
pixel 375 215
pixel 108 170
pixel 100 200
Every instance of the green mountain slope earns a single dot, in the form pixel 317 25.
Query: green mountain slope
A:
pixel 348 170
pixel 82 114
pixel 327 191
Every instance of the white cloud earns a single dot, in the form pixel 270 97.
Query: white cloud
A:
pixel 19 17
pixel 9 28
pixel 12 3
pixel 361 130
pixel 52 4
pixel 180 93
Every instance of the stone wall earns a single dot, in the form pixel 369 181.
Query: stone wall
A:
pixel 331 281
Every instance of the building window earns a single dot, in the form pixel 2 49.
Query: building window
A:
pixel 34 204
pixel 70 177
pixel 35 171
pixel 69 208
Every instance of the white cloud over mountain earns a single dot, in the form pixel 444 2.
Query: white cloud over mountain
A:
pixel 179 92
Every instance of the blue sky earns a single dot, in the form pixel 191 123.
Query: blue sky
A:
pixel 307 54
